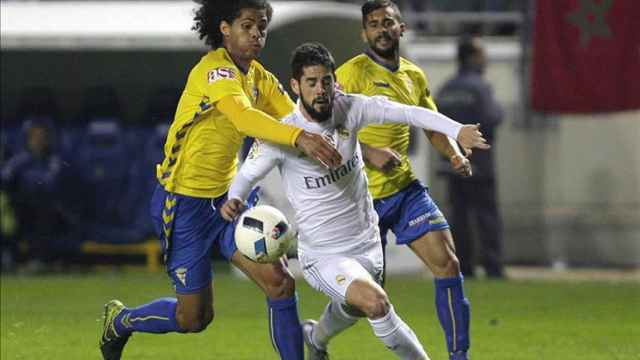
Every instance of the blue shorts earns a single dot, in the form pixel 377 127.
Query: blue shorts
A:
pixel 188 228
pixel 409 213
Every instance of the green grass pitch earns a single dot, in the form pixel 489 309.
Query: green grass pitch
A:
pixel 58 317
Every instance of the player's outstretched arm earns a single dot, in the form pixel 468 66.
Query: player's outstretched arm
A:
pixel 255 123
pixel 380 110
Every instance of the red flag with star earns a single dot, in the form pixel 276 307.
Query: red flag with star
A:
pixel 586 56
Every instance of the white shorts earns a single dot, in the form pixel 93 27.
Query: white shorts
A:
pixel 332 274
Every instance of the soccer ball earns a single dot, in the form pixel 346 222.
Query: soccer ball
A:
pixel 263 234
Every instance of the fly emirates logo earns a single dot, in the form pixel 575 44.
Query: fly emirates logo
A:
pixel 333 175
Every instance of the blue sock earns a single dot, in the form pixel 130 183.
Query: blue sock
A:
pixel 285 329
pixel 453 311
pixel 156 317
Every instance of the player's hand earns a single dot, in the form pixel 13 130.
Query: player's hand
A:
pixel 461 165
pixel 316 147
pixel 231 209
pixel 470 137
pixel 383 159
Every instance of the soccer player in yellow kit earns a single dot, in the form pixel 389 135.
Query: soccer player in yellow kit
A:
pixel 401 201
pixel 228 95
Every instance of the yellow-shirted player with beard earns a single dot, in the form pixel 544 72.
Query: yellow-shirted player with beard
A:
pixel 401 201
pixel 228 95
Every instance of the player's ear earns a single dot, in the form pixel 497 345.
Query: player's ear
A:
pixel 363 36
pixel 225 28
pixel 403 28
pixel 295 86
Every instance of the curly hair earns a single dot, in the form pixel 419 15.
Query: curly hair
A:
pixel 212 12
pixel 310 54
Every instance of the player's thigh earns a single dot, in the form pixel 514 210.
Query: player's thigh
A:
pixel 187 228
pixel 420 215
pixel 437 252
pixel 274 279
pixel 333 275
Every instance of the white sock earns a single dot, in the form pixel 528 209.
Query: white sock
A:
pixel 398 336
pixel 332 321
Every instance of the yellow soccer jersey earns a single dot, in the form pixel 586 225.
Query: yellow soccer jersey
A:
pixel 202 143
pixel 407 85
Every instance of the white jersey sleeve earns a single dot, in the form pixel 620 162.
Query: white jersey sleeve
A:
pixel 261 159
pixel 379 110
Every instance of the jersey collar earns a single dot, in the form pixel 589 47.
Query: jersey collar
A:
pixel 375 60
pixel 225 54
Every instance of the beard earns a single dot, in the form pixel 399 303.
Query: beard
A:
pixel 388 53
pixel 319 116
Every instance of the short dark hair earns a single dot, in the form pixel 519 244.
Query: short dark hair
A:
pixel 466 48
pixel 373 5
pixel 309 54
pixel 212 12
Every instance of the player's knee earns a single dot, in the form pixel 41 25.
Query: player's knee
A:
pixel 453 266
pixel 280 285
pixel 450 267
pixel 376 305
pixel 195 322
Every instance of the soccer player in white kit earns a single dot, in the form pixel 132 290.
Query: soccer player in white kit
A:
pixel 339 244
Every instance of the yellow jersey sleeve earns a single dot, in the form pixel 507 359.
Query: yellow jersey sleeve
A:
pixel 222 80
pixel 255 123
pixel 225 89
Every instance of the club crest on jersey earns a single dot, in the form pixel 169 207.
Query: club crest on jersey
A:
pixel 256 94
pixel 221 73
pixel 255 150
pixel 329 138
pixel 342 132
pixel 383 84
pixel 340 279
pixel 181 274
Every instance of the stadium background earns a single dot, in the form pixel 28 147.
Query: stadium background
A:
pixel 109 72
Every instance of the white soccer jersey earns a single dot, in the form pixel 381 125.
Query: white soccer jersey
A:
pixel 333 208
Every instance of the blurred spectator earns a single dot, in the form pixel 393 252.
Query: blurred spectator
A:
pixel 468 98
pixel 32 180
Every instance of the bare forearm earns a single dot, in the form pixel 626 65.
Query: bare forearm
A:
pixel 444 144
